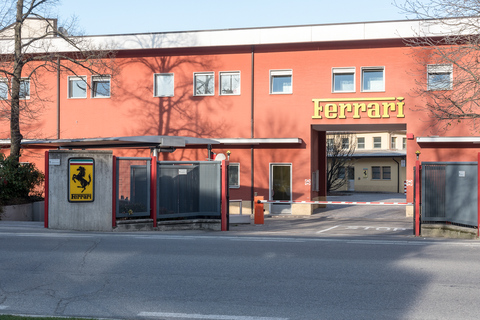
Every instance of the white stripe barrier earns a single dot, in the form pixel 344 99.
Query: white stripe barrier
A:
pixel 370 203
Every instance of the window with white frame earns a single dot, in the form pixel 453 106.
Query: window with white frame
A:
pixel 234 175
pixel 204 83
pixel 3 89
pixel 280 81
pixel 404 143
pixel 393 143
pixel 229 83
pixel 439 77
pixel 77 87
pixel 24 89
pixel 101 86
pixel 361 143
pixel 163 85
pixel 377 142
pixel 343 79
pixel 345 143
pixel 373 79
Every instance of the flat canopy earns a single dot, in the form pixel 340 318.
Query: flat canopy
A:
pixel 157 142
pixel 116 142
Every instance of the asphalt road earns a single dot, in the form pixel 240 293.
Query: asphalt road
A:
pixel 236 275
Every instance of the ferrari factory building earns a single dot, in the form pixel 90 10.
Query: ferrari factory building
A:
pixel 266 98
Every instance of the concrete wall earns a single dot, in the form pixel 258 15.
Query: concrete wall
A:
pixel 88 216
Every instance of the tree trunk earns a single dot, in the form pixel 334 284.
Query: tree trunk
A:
pixel 15 135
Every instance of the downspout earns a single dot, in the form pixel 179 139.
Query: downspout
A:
pixel 58 98
pixel 398 175
pixel 252 127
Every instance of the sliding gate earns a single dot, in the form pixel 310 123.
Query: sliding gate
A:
pixel 449 193
pixel 188 190
pixel 184 190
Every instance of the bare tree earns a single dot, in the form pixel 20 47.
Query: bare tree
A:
pixel 340 149
pixel 447 49
pixel 32 44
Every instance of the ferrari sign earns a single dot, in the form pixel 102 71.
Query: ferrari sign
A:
pixel 80 180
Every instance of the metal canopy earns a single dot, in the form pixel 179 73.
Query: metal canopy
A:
pixel 157 142
pixel 117 142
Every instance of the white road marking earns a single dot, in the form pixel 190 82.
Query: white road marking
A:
pixel 203 316
pixel 325 230
pixel 3 307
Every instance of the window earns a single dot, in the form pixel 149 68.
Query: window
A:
pixel 3 89
pixel 330 145
pixel 24 89
pixel 163 85
pixel 377 142
pixel 381 173
pixel 77 87
pixel 386 173
pixel 373 79
pixel 101 86
pixel 393 143
pixel 229 83
pixel 280 81
pixel 361 143
pixel 404 143
pixel 345 143
pixel 343 80
pixel 341 173
pixel 439 77
pixel 204 84
pixel 234 175
pixel 376 173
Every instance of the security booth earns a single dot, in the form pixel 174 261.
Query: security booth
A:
pixel 93 190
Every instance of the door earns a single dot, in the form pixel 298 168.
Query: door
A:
pixel 280 187
pixel 351 178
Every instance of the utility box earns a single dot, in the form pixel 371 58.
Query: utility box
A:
pixel 80 190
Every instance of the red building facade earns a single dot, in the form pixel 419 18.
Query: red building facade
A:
pixel 267 96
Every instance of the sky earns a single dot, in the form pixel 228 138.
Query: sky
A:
pixel 100 17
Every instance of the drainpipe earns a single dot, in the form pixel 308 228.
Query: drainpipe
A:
pixel 58 98
pixel 398 175
pixel 252 131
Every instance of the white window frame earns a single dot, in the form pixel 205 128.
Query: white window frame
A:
pixel 74 78
pixel 338 71
pixel 220 83
pixel 362 144
pixel 446 69
pixel 281 73
pixel 4 81
pixel 99 78
pixel 24 80
pixel 374 146
pixel 237 185
pixel 374 69
pixel 195 75
pixel 171 88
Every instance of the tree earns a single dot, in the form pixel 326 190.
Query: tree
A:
pixel 447 50
pixel 32 42
pixel 340 149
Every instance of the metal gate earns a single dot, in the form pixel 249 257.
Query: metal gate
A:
pixel 449 192
pixel 188 190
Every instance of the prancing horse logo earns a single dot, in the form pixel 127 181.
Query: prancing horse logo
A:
pixel 81 178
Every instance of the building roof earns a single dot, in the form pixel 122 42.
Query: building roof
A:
pixel 383 30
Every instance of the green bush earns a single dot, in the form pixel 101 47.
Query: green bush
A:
pixel 19 182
